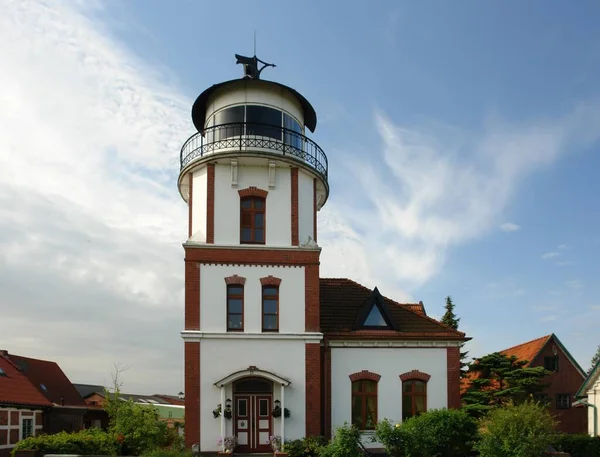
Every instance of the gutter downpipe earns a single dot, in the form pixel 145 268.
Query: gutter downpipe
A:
pixel 590 405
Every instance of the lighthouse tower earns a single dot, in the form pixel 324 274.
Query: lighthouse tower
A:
pixel 253 182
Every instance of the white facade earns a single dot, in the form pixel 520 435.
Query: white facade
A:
pixel 593 398
pixel 18 423
pixel 213 297
pixel 389 363
pixel 306 212
pixel 222 357
pixel 199 182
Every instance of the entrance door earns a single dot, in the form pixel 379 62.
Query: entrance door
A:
pixel 253 424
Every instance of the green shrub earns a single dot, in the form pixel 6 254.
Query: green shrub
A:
pixel 85 442
pixel 523 430
pixel 392 437
pixel 344 443
pixel 578 445
pixel 440 433
pixel 305 447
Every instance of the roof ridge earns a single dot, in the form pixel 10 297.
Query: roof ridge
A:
pixel 431 319
pixel 545 337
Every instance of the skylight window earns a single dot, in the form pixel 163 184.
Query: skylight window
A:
pixel 44 388
pixel 375 319
pixel 3 373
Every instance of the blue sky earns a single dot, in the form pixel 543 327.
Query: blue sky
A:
pixel 462 141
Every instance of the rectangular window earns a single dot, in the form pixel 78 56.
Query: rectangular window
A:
pixel 542 399
pixel 270 309
pixel 252 220
pixel 551 363
pixel 563 401
pixel 26 428
pixel 364 404
pixel 235 308
pixel 414 398
pixel 263 121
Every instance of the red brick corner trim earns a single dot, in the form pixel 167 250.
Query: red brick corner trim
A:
pixel 252 192
pixel 415 374
pixel 235 279
pixel 294 207
pixel 210 203
pixel 453 361
pixel 365 374
pixel 313 390
pixel 270 281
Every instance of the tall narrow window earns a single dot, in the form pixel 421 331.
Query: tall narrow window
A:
pixel 364 404
pixel 235 308
pixel 414 398
pixel 270 308
pixel 26 428
pixel 252 220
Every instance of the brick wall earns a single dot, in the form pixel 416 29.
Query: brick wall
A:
pixel 313 389
pixel 311 291
pixel 210 203
pixel 192 294
pixel 294 206
pixel 566 380
pixel 453 362
pixel 192 393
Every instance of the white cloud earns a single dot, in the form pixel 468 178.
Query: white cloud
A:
pixel 550 255
pixel 564 263
pixel 562 246
pixel 509 227
pixel 575 284
pixel 549 318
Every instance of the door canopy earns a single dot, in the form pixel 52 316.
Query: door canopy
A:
pixel 252 371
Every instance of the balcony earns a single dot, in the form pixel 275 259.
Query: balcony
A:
pixel 255 138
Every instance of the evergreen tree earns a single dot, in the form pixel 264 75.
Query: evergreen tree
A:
pixel 497 380
pixel 594 360
pixel 449 318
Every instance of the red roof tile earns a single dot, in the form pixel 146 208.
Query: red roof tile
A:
pixel 340 302
pixel 527 351
pixel 16 389
pixel 49 380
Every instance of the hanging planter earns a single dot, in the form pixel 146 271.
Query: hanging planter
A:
pixel 277 411
pixel 228 413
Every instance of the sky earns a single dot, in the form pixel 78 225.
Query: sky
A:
pixel 462 141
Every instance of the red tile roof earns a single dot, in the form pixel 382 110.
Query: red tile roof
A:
pixel 16 389
pixel 527 351
pixel 340 302
pixel 49 380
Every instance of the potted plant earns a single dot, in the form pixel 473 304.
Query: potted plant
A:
pixel 275 442
pixel 277 410
pixel 228 412
pixel 228 443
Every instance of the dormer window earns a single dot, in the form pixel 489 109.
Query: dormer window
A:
pixel 375 318
pixel 252 220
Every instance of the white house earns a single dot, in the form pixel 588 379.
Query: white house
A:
pixel 265 337
pixel 589 397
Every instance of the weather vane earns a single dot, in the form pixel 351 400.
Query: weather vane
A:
pixel 250 64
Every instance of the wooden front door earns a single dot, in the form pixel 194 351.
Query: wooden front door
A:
pixel 253 422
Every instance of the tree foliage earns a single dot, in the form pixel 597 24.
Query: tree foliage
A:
pixel 451 320
pixel 524 430
pixel 594 360
pixel 345 443
pixel 497 379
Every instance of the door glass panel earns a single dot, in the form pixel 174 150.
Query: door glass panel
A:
pixel 242 409
pixel 263 407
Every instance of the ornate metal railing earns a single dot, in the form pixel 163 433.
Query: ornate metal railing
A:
pixel 246 136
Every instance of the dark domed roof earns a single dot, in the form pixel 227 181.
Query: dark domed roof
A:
pixel 199 107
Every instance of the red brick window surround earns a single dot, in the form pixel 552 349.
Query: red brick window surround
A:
pixel 252 220
pixel 270 281
pixel 364 399
pixel 235 306
pixel 270 307
pixel 414 393
pixel 235 279
pixel 252 192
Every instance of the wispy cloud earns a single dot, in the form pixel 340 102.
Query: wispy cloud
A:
pixel 427 190
pixel 562 246
pixel 549 318
pixel 575 284
pixel 550 255
pixel 509 227
pixel 564 263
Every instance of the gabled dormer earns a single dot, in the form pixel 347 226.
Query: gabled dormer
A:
pixel 374 314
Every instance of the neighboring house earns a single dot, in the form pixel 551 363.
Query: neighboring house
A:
pixel 170 409
pixel 263 332
pixel 68 412
pixel 22 406
pixel 93 397
pixel 589 398
pixel 563 382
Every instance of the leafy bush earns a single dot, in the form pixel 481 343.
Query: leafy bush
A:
pixel 305 447
pixel 439 433
pixel 344 443
pixel 392 437
pixel 523 430
pixel 578 445
pixel 85 442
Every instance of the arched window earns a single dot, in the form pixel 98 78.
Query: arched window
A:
pixel 364 400
pixel 414 397
pixel 252 220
